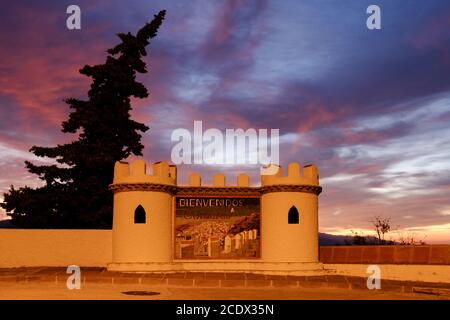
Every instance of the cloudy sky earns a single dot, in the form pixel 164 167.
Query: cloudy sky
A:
pixel 370 108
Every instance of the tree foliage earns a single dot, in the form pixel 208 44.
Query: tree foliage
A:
pixel 382 226
pixel 75 192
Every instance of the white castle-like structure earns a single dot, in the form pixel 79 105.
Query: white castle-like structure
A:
pixel 144 219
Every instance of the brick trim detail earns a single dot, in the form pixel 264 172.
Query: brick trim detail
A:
pixel 185 190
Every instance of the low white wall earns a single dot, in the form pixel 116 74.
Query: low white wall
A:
pixel 31 248
pixel 404 272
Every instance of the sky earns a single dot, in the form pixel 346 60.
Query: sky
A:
pixel 369 107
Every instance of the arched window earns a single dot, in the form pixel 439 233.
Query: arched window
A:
pixel 293 216
pixel 139 214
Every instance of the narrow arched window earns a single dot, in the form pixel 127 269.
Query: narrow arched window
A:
pixel 293 216
pixel 139 214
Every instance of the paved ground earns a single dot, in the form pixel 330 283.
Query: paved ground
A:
pixel 50 283
pixel 116 292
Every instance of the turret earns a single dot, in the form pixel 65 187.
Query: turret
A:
pixel 142 216
pixel 290 214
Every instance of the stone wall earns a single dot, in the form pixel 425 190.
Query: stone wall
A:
pixel 422 254
pixel 26 247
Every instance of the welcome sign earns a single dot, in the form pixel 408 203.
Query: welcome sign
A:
pixel 217 227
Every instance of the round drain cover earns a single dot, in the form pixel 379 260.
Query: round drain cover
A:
pixel 141 293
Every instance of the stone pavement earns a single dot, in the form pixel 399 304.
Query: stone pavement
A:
pixel 99 291
pixel 100 276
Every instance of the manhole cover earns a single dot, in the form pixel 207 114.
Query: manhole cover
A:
pixel 141 293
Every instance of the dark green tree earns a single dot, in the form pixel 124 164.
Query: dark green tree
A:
pixel 75 193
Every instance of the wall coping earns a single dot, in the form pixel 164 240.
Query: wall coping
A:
pixel 386 254
pixel 211 190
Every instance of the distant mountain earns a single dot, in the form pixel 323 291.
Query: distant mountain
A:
pixel 326 239
pixel 6 224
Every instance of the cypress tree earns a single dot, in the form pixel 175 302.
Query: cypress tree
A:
pixel 75 192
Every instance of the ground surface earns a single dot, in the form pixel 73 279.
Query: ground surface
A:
pixel 103 291
pixel 51 283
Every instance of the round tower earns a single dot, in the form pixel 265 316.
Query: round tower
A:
pixel 142 216
pixel 290 215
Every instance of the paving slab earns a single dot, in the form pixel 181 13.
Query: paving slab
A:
pixel 96 276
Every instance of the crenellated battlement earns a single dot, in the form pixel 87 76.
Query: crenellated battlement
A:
pixel 136 172
pixel 166 174
pixel 219 181
pixel 295 175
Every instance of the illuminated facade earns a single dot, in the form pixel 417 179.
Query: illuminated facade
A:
pixel 161 226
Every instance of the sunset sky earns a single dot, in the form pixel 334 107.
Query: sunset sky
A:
pixel 370 107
